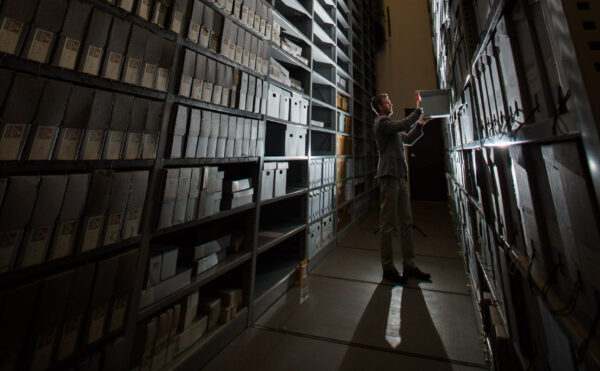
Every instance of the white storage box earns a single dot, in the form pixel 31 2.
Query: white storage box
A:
pixel 281 179
pixel 296 108
pixel 304 111
pixel 290 141
pixel 273 101
pixel 314 239
pixel 268 180
pixel 284 105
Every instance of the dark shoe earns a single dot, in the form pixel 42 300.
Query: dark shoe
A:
pixel 394 276
pixel 415 272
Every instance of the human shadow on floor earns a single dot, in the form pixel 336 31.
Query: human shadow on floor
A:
pixel 420 343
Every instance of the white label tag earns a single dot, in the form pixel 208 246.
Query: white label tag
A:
pixel 117 317
pixel 93 144
pixel 113 66
pixel 65 239
pixel 268 31
pixel 239 54
pixel 246 58
pixel 97 324
pixel 197 89
pixel 92 232
pixel 42 143
pixel 207 91
pixel 176 22
pixel 225 97
pixel 148 76
pixel 10 143
pixel 244 18
pixel 229 6
pixel 236 9
pixel 256 23
pixel 69 144
pixel 68 339
pixel 216 96
pixel 162 79
pixel 132 71
pixel 250 22
pixel 185 86
pixel 36 246
pixel 144 9
pixel 204 37
pixel 92 60
pixel 114 145
pixel 113 229
pixel 149 146
pixel 132 222
pixel 40 45
pixel 126 5
pixel 132 149
pixel 68 56
pixel 263 24
pixel 43 349
pixel 194 32
pixel 10 33
pixel 8 244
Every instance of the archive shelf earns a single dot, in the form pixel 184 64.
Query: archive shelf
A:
pixel 215 107
pixel 209 161
pixel 275 234
pixel 48 166
pixel 290 193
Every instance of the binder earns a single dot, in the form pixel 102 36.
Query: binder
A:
pixel 239 137
pixel 119 121
pixel 75 310
pixel 97 122
pixel 38 236
pixel 152 130
pixel 144 9
pixel 227 86
pixel 230 141
pixel 233 94
pixel 69 42
pixel 42 35
pixel 196 21
pixel 95 42
pixel 135 130
pixel 193 134
pixel 17 114
pixel 264 97
pixel 96 204
pixel 187 73
pixel 205 129
pixel 239 45
pixel 152 57
pixel 219 83
pixel 121 295
pixel 207 27
pixel 15 18
pixel 100 300
pixel 199 77
pixel 181 200
pixel 115 49
pixel 135 54
pixel 209 81
pixel 191 211
pixel 167 206
pixel 135 204
pixel 165 64
pixel 214 135
pixel 48 116
pixel 222 138
pixel 228 6
pixel 273 101
pixel 119 195
pixel 15 213
pixel 179 130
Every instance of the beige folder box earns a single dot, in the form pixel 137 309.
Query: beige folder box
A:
pixel 117 207
pixel 246 138
pixel 273 101
pixel 159 12
pixel 259 56
pixel 191 210
pixel 116 49
pixel 179 131
pixel 296 103
pixel 251 12
pixel 265 96
pixel 152 130
pixel 95 42
pixel 152 55
pixel 226 37
pixel 247 49
pixel 253 138
pixel 178 17
pixel 42 34
pixel 233 35
pixel 250 93
pixel 6 78
pixel 239 45
pixel 144 9
pixel 207 27
pixel 165 65
pixel 264 18
pixel 199 77
pixel 70 40
pixel 237 8
pixel 222 138
pixel 117 127
pixel 135 55
pixel 193 134
pixel 210 79
pixel 38 235
pixel 196 18
pixel 100 300
pixel 258 20
pixel 97 122
pixel 217 95
pixel 243 91
pixel 230 141
pixel 205 129
pixel 260 142
pixel 135 204
pixel 71 131
pixel 181 200
pixel 15 19
pixel 96 204
pixel 121 295
pixel 239 137
pixel 244 12
pixel 214 135
pixel 258 95
pixel 169 196
pixel 269 25
pixel 135 129
pixel 227 87
pixel 253 52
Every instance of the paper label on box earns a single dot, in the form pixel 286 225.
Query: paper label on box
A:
pixel 265 67
pixel 225 48
pixel 176 22
pixel 42 143
pixel 259 62
pixel 97 324
pixel 92 60
pixel 207 91
pixel 113 66
pixel 36 246
pixel 67 149
pixel 68 56
pixel 256 23
pixel 92 233
pixel 244 18
pixel 40 45
pixel 185 86
pixel 144 10
pixel 149 146
pixel 197 89
pixel 114 145
pixel 10 33
pixel 132 223
pixel 93 144
pixel 148 76
pixel 117 317
pixel 204 37
pixel 250 22
pixel 268 30
pixel 194 32
pixel 132 147
pixel 65 239
pixel 239 54
pixel 225 97
pixel 162 79
pixel 252 62
pixel 69 336
pixel 126 5
pixel 11 140
pixel 246 58
pixel 231 51
pixel 229 6
pixel 236 9
pixel 276 29
pixel 113 228
pixel 8 244
pixel 43 349
pixel 263 25
pixel 132 70
pixel 216 96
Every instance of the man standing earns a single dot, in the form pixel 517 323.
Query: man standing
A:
pixel 391 137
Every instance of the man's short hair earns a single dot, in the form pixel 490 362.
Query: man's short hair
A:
pixel 376 101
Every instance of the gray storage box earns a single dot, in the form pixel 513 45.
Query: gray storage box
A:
pixel 435 103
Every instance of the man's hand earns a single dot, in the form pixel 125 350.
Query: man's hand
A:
pixel 423 120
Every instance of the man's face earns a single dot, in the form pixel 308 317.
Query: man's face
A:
pixel 385 107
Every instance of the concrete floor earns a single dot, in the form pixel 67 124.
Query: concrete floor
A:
pixel 352 321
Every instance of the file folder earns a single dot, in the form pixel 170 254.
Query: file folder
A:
pixel 119 121
pixel 193 133
pixel 92 223
pixel 116 48
pixel 199 77
pixel 181 199
pixel 152 58
pixel 152 131
pixel 95 42
pixel 117 205
pixel 135 130
pixel 179 130
pixel 97 122
pixel 205 129
pixel 44 28
pixel 135 204
pixel 135 55
pixel 69 42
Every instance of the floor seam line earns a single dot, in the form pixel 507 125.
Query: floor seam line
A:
pixel 369 347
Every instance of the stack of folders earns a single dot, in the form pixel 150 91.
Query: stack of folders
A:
pixel 320 202
pixel 231 300
pixel 49 320
pixel 190 193
pixel 202 257
pixel 49 217
pixel 74 35
pixel 207 134
pixel 237 193
pixel 48 119
pixel 294 49
pixel 279 73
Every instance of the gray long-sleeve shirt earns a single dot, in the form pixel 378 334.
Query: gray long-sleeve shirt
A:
pixel 391 137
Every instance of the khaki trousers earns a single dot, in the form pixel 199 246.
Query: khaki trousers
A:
pixel 395 216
